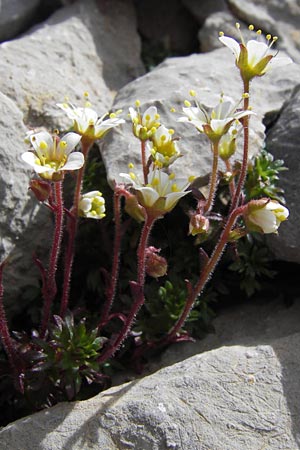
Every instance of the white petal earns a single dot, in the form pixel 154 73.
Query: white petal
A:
pixel 232 44
pixel 72 139
pixel 149 195
pixel 133 114
pixel 42 136
pixel 279 61
pixel 257 51
pixel 85 205
pixel 151 112
pixel 75 161
pixel 172 199
pixel 218 125
pixel 30 159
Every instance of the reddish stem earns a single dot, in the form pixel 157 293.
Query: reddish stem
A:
pixel 7 341
pixel 111 291
pixel 49 288
pixel 243 173
pixel 213 178
pixel 137 291
pixel 205 275
pixel 72 229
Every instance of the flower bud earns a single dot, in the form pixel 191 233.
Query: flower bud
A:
pixel 92 205
pixel 198 224
pixel 41 189
pixel 265 215
pixel 156 266
pixel 133 208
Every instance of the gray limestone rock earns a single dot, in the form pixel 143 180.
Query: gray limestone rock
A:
pixel 168 85
pixel 87 46
pixel 205 8
pixel 15 16
pixel 283 142
pixel 232 398
pixel 24 224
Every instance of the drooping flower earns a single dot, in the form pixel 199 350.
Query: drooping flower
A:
pixel 163 148
pixel 88 124
pixel 162 192
pixel 214 123
pixel 199 224
pixel 256 57
pixel 144 125
pixel 51 156
pixel 92 205
pixel 265 215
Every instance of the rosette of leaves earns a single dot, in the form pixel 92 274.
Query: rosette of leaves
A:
pixel 263 177
pixel 70 356
pixel 252 264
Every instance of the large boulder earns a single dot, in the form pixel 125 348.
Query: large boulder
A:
pixel 232 398
pixel 86 46
pixel 16 16
pixel 283 141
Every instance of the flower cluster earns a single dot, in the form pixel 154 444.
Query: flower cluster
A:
pixel 92 205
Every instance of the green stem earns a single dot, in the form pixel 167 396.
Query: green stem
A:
pixel 72 229
pixel 50 288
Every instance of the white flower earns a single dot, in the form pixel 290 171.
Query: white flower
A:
pixel 265 215
pixel 162 192
pixel 52 156
pixel 215 123
pixel 255 57
pixel 164 149
pixel 87 123
pixel 92 205
pixel 144 125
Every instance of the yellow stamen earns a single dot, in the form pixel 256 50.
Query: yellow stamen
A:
pixel 171 131
pixel 63 144
pixel 130 166
pixel 112 115
pixel 258 32
pixel 172 110
pixel 137 103
pixel 155 181
pixel 187 103
pixel 268 37
pixel 43 145
pixel 251 27
pixel 132 175
pixel 192 93
pixel 174 188
pixel 221 33
pixel 191 178
pixel 171 176
pixel 157 116
pixel 86 94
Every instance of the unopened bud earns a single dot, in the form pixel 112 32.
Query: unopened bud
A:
pixel 156 265
pixel 198 224
pixel 41 189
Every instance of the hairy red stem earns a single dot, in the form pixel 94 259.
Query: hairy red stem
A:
pixel 49 288
pixel 72 229
pixel 137 291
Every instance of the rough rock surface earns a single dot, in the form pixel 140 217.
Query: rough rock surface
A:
pixel 86 46
pixel 168 85
pixel 233 398
pixel 283 142
pixel 23 223
pixel 15 16
pixel 202 10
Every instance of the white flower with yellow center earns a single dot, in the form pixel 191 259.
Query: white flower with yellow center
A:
pixel 265 215
pixel 144 125
pixel 51 156
pixel 254 58
pixel 92 205
pixel 87 123
pixel 162 192
pixel 163 148
pixel 214 123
